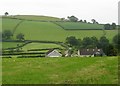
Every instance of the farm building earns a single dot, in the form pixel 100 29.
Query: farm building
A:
pixel 90 52
pixel 53 53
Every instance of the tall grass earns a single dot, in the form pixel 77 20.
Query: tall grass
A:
pixel 99 70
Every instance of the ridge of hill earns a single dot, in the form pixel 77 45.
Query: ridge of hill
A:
pixel 33 18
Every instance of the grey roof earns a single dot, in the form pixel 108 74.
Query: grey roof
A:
pixel 90 51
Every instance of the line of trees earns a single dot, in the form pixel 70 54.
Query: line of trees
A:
pixel 75 19
pixel 110 26
pixel 110 49
pixel 8 35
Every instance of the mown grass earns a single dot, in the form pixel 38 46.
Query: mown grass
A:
pixel 99 70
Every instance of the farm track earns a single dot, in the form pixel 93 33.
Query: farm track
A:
pixel 17 26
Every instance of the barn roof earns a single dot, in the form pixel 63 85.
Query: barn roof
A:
pixel 53 53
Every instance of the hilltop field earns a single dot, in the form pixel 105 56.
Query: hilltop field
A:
pixel 46 28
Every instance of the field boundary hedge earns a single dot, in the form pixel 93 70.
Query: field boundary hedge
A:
pixel 32 41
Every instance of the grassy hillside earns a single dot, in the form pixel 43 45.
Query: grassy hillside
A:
pixel 99 70
pixel 10 44
pixel 9 23
pixel 49 31
pixel 40 46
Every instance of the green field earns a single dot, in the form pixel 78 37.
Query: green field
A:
pixel 10 44
pixel 40 46
pixel 99 70
pixel 51 31
pixel 80 26
pixel 74 70
pixel 9 24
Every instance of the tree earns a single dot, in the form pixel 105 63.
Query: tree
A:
pixel 103 43
pixel 20 36
pixel 94 41
pixel 81 20
pixel 72 41
pixel 72 18
pixel 97 23
pixel 107 26
pixel 111 51
pixel 85 21
pixel 94 21
pixel 87 42
pixel 116 41
pixel 6 13
pixel 113 26
pixel 7 34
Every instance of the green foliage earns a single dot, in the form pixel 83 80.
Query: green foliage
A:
pixel 110 27
pixel 116 41
pixel 87 42
pixel 111 50
pixel 114 26
pixel 107 26
pixel 92 42
pixel 103 43
pixel 94 21
pixel 7 34
pixel 72 18
pixel 85 21
pixel 72 41
pixel 20 36
pixel 6 13
pixel 81 20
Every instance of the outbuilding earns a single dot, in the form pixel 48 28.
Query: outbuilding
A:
pixel 53 53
